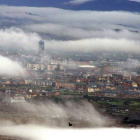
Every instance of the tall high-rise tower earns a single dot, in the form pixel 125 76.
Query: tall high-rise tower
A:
pixel 41 47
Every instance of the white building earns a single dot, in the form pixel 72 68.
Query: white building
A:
pixel 35 66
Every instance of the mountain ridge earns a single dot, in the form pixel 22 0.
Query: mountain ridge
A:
pixel 98 5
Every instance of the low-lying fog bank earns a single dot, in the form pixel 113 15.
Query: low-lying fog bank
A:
pixel 32 132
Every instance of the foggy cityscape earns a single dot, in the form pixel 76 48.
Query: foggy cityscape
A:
pixel 69 69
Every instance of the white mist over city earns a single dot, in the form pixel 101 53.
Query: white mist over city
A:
pixel 69 69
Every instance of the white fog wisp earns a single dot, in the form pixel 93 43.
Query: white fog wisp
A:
pixel 76 2
pixel 10 68
pixel 16 38
pixel 81 114
pixel 96 44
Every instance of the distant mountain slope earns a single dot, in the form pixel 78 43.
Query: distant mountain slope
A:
pixel 99 5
